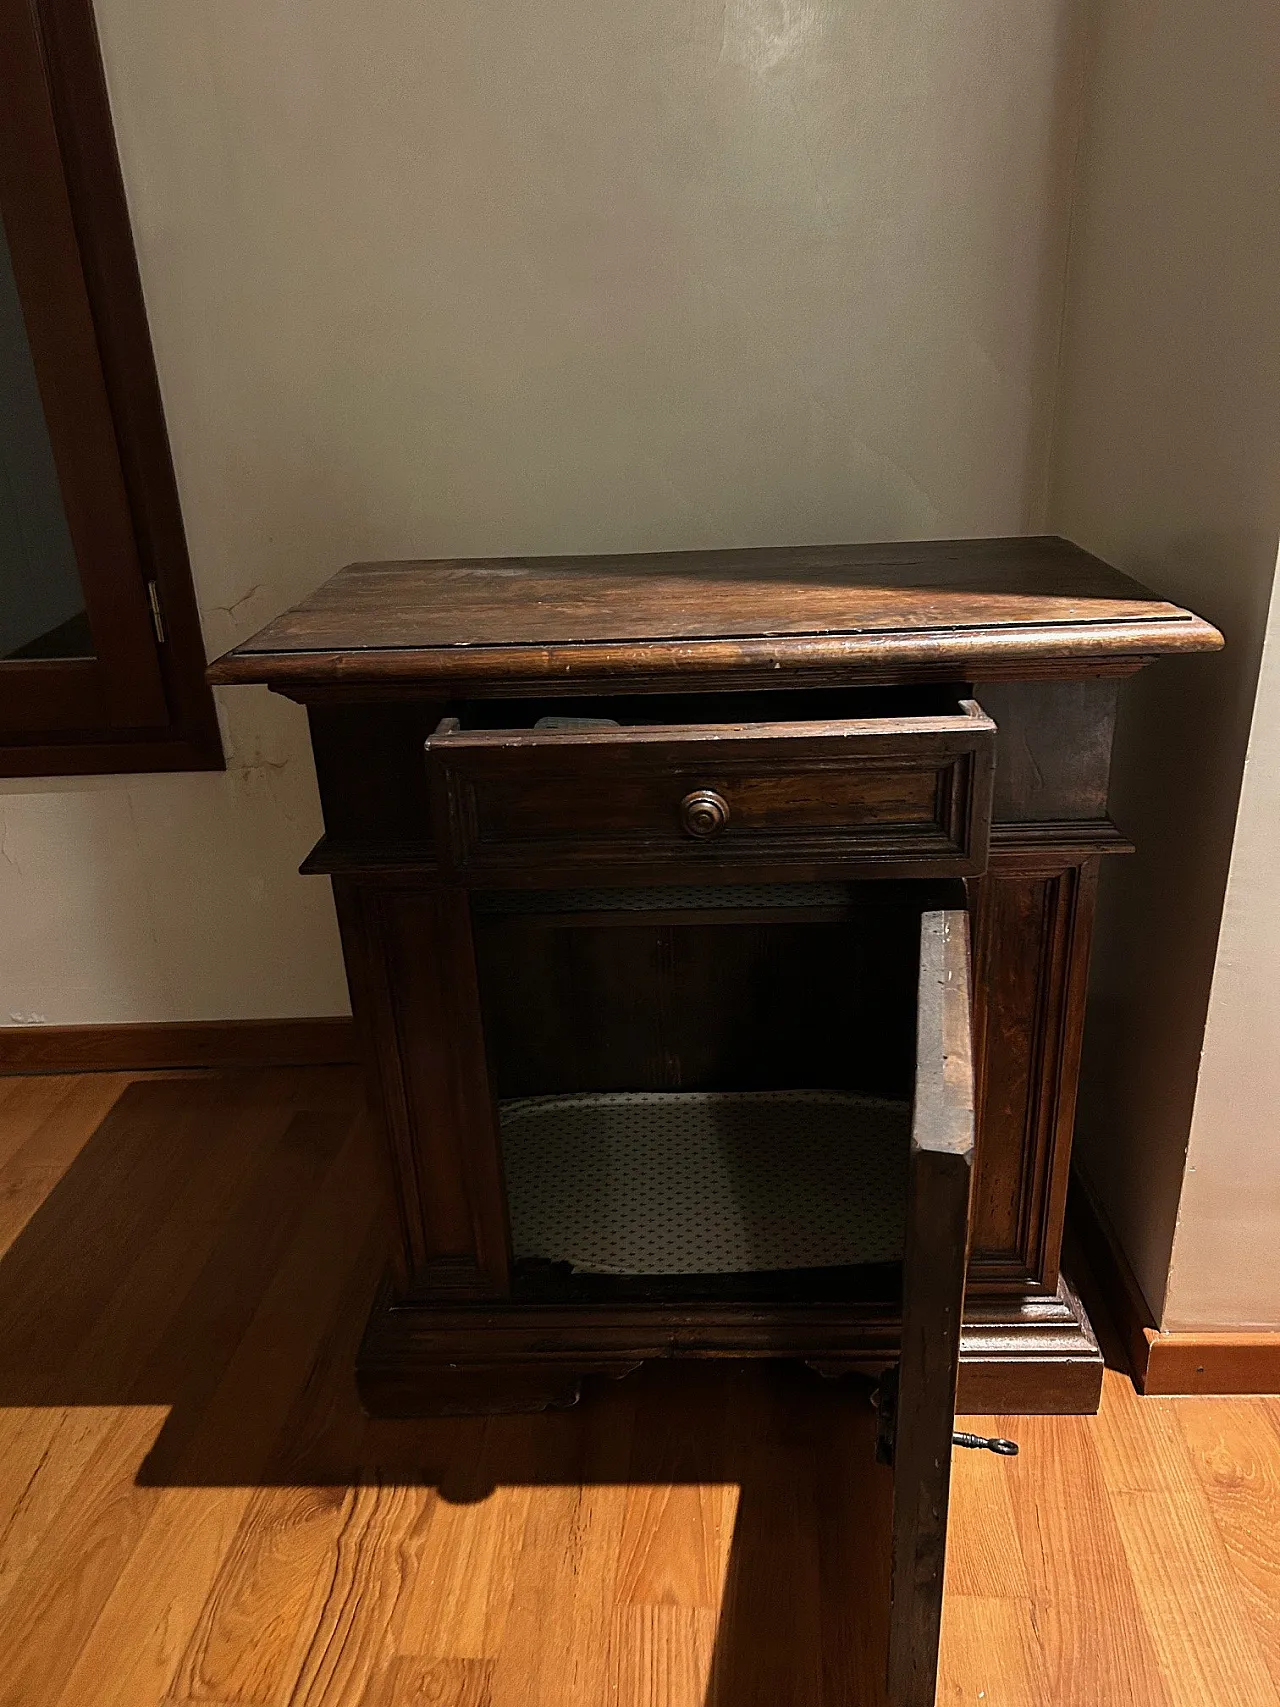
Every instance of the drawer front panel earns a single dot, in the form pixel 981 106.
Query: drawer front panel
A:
pixel 905 794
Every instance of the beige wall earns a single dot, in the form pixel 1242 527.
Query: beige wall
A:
pixel 473 278
pixel 469 277
pixel 1224 1271
pixel 1167 462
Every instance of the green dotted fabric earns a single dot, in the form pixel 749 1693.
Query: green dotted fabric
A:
pixel 664 898
pixel 706 1182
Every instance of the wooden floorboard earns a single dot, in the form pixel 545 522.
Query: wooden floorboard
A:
pixel 194 1512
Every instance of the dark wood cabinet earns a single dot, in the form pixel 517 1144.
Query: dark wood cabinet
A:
pixel 918 1420
pixel 661 832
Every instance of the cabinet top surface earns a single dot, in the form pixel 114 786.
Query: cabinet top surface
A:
pixel 878 608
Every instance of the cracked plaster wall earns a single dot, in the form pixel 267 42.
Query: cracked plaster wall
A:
pixel 469 278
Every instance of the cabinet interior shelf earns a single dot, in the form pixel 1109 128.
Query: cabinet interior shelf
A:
pixel 725 904
pixel 705 1183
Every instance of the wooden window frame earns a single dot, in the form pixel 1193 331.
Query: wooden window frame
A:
pixel 142 703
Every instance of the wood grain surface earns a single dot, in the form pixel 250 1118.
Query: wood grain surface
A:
pixel 528 807
pixel 193 1510
pixel 177 1043
pixel 562 618
pixel 700 594
pixel 939 1192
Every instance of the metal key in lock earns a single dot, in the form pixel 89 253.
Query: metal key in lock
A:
pixel 986 1443
pixel 885 1403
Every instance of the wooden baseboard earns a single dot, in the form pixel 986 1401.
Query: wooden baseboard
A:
pixel 194 1043
pixel 1212 1363
pixel 1164 1362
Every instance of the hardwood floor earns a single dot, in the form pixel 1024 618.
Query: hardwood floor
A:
pixel 193 1510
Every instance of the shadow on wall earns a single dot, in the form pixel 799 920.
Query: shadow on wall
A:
pixel 1181 736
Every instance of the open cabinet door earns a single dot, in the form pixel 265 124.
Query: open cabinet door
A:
pixel 934 1259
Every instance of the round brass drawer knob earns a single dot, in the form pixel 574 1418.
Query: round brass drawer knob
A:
pixel 704 812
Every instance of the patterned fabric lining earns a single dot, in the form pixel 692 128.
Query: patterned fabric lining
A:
pixel 706 1182
pixel 664 899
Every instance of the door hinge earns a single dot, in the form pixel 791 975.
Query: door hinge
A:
pixel 885 1400
pixel 157 615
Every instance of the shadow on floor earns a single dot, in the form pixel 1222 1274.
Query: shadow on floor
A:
pixel 214 1248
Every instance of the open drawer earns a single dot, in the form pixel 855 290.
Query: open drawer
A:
pixel 678 802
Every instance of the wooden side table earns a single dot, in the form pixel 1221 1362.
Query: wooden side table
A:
pixel 657 879
pixel 630 856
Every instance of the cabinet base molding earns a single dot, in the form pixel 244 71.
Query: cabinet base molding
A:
pixel 1036 1355
pixel 1165 1362
pixel 476 1390
pixel 188 1043
pixel 1033 1357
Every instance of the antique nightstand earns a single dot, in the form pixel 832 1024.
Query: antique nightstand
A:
pixel 657 878
pixel 627 851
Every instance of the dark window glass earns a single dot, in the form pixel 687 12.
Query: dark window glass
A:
pixel 42 611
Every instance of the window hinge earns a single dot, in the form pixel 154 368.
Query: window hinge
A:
pixel 157 615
